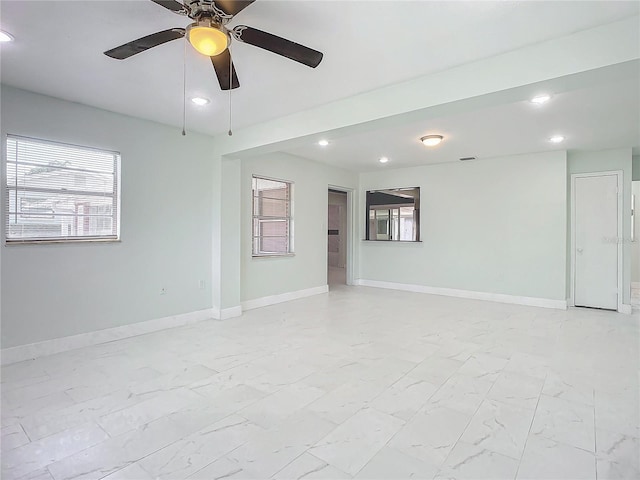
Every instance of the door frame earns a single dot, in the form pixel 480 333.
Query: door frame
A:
pixel 572 277
pixel 349 265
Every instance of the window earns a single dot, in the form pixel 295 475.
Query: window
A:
pixel 393 214
pixel 272 217
pixel 59 192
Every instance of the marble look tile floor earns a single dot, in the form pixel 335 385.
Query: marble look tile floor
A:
pixel 358 383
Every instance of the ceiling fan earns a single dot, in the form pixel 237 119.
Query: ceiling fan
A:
pixel 210 36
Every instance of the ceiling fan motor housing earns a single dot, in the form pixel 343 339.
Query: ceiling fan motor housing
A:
pixel 201 9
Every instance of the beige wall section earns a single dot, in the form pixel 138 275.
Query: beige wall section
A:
pixel 57 290
pixel 603 161
pixel 262 277
pixel 492 225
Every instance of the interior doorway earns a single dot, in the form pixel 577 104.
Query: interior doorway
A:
pixel 596 251
pixel 635 244
pixel 337 237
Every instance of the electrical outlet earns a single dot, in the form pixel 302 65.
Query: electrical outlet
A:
pixel 163 291
pixel 201 284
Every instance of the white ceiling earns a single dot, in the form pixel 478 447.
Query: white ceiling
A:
pixel 367 44
pixel 594 117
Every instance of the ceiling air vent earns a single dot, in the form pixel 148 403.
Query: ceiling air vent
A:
pixel 467 158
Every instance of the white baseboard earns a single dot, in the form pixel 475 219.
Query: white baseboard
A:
pixel 283 297
pixel 232 312
pixel 626 309
pixel 452 292
pixel 57 345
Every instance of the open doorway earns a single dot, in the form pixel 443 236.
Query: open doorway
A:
pixel 337 238
pixel 635 245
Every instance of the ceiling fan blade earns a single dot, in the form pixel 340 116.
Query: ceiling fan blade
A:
pixel 221 65
pixel 171 5
pixel 279 45
pixel 145 43
pixel 232 7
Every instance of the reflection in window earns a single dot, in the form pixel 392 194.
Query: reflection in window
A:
pixel 272 233
pixel 393 215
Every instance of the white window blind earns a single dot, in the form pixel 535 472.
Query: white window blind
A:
pixel 272 217
pixel 60 192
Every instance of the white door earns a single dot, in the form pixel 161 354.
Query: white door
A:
pixel 596 241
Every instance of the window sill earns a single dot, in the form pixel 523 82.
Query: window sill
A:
pixel 275 255
pixel 13 243
pixel 392 241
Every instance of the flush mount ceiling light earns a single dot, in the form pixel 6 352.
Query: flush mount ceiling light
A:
pixel 383 160
pixel 200 101
pixel 431 140
pixel 556 139
pixel 207 37
pixel 323 142
pixel 5 37
pixel 540 99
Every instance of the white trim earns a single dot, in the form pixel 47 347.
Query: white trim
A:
pixel 283 297
pixel 572 277
pixel 57 345
pixel 627 309
pixel 231 312
pixel 452 292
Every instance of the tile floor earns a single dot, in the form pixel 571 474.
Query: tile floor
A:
pixel 359 383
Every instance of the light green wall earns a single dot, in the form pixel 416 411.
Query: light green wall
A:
pixel 56 290
pixel 175 241
pixel 499 76
pixel 602 161
pixel 492 225
pixel 263 277
pixel 636 167
pixel 231 225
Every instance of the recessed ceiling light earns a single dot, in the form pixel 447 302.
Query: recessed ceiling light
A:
pixel 431 140
pixel 5 37
pixel 556 139
pixel 323 142
pixel 383 160
pixel 540 99
pixel 200 101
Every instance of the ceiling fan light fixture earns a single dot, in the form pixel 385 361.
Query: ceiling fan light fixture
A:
pixel 207 38
pixel 431 140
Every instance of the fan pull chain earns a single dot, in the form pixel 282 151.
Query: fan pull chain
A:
pixel 230 86
pixel 184 90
